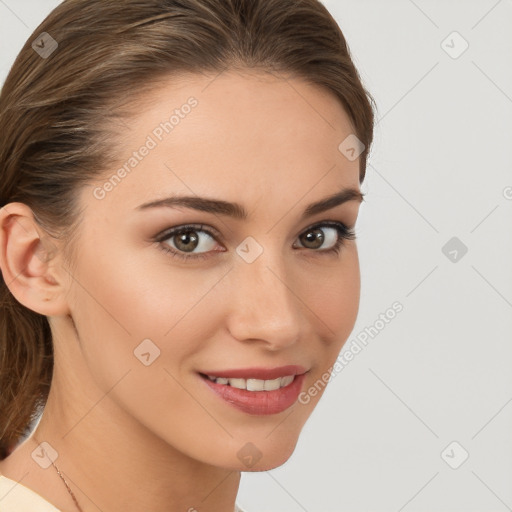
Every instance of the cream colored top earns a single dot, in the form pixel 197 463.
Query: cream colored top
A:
pixel 15 497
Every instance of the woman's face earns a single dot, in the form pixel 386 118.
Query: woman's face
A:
pixel 260 291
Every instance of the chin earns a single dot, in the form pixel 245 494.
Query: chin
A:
pixel 267 465
pixel 263 454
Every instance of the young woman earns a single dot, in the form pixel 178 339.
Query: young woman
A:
pixel 179 185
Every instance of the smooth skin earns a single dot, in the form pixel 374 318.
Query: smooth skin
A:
pixel 133 437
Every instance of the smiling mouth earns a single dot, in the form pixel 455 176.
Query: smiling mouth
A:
pixel 252 384
pixel 273 394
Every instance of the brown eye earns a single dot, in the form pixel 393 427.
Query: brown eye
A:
pixel 314 238
pixel 187 239
pixel 184 240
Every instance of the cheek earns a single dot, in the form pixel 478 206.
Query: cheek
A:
pixel 340 314
pixel 138 295
pixel 335 298
pixel 129 307
pixel 336 305
pixel 118 304
pixel 130 310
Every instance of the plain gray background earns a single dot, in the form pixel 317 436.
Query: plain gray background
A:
pixel 434 386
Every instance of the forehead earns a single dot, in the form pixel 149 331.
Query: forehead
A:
pixel 234 136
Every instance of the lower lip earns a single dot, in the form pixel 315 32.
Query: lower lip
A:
pixel 259 402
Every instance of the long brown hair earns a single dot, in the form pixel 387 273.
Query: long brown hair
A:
pixel 59 109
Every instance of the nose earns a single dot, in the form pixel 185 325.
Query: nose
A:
pixel 264 305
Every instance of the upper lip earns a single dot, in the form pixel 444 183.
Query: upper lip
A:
pixel 258 373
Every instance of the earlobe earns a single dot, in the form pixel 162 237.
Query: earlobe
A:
pixel 27 261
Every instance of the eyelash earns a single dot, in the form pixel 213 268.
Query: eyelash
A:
pixel 344 233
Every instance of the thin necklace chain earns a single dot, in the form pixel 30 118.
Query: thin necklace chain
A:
pixel 61 476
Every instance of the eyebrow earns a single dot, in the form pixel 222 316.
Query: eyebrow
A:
pixel 237 211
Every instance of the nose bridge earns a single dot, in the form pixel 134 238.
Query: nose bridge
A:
pixel 264 304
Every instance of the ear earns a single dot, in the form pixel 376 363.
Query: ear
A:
pixel 28 261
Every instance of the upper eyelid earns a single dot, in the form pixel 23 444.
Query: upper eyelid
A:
pixel 166 233
pixel 215 233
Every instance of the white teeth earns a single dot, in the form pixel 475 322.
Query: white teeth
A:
pixel 235 383
pixel 286 380
pixel 255 384
pixel 270 385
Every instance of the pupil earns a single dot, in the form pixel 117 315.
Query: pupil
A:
pixel 317 234
pixel 185 239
